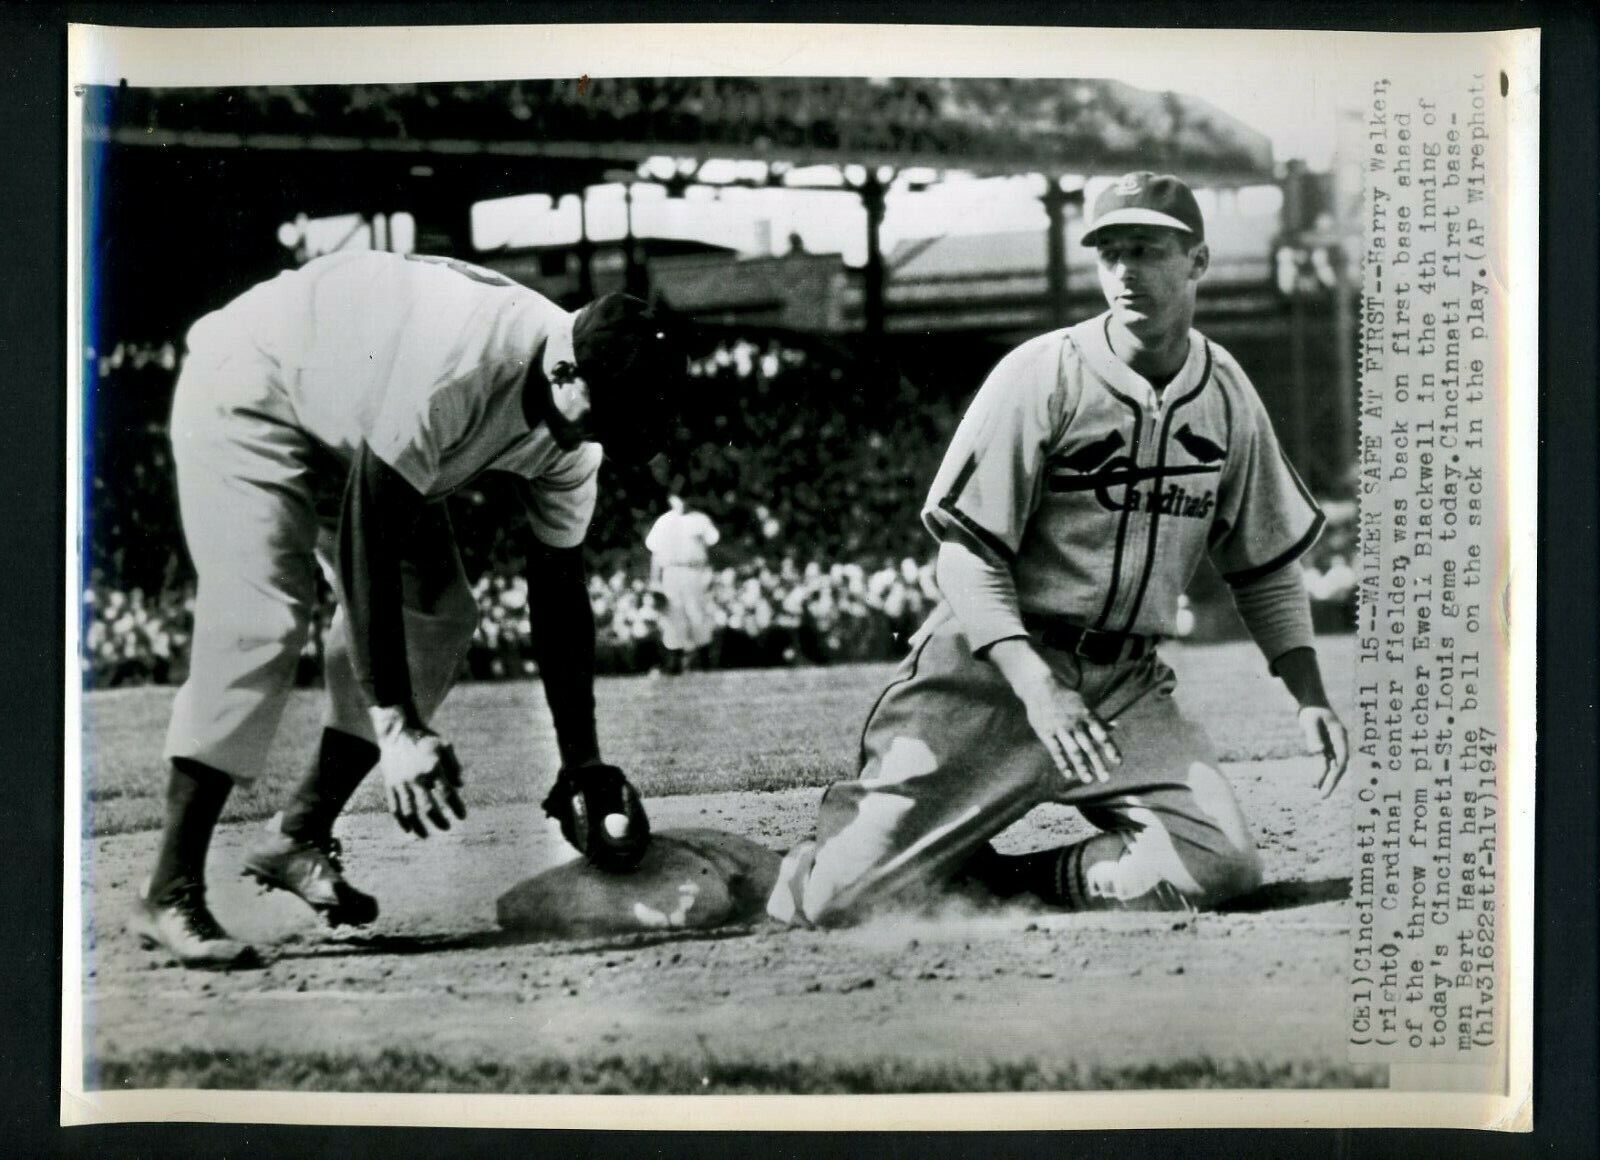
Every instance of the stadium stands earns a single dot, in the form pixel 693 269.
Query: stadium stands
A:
pixel 1006 122
pixel 814 483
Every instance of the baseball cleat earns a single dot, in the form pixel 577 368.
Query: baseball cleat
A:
pixel 182 925
pixel 312 871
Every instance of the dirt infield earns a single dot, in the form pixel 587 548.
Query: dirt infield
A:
pixel 435 997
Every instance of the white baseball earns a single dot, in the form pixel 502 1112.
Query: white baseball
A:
pixel 616 825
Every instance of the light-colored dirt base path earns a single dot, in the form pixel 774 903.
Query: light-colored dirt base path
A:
pixel 435 975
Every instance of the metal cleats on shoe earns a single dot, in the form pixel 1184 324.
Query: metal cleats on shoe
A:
pixel 313 871
pixel 180 923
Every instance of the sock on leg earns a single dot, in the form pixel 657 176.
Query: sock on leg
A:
pixel 342 764
pixel 196 794
pixel 1130 888
pixel 1059 877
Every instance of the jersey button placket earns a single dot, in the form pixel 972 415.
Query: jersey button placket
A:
pixel 1138 521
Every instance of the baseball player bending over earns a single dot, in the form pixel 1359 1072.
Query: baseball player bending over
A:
pixel 1094 469
pixel 321 419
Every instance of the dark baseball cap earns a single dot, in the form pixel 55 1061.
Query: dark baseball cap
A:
pixel 1146 199
pixel 635 367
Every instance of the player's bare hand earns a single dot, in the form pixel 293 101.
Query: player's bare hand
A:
pixel 421 775
pixel 1078 742
pixel 1325 734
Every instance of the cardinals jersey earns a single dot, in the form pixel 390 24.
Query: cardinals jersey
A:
pixel 1100 498
pixel 424 360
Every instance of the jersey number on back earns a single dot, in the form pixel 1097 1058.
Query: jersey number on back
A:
pixel 465 269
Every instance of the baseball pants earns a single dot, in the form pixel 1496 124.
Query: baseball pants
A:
pixel 948 760
pixel 687 624
pixel 259 502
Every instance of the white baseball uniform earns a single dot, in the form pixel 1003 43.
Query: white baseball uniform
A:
pixel 1099 496
pixel 423 360
pixel 679 542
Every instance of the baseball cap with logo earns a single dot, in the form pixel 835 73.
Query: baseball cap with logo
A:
pixel 1146 199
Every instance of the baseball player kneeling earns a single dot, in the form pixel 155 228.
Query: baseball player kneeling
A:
pixel 320 420
pixel 1093 470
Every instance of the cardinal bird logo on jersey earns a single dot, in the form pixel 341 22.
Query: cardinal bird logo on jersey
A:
pixel 1098 468
pixel 1198 445
pixel 1092 455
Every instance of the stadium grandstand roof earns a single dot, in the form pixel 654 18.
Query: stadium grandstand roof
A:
pixel 977 125
pixel 1241 251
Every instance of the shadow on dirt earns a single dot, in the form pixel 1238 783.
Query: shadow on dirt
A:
pixel 1272 896
pixel 360 945
pixel 356 945
pixel 1287 895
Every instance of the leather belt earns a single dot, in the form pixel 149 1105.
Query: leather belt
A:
pixel 1094 646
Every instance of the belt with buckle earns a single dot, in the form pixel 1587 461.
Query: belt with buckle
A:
pixel 1093 645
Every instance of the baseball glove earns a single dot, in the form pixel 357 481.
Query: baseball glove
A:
pixel 601 816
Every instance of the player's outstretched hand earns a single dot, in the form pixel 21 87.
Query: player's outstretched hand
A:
pixel 421 775
pixel 1325 734
pixel 1078 742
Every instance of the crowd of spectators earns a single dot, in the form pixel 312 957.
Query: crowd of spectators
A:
pixel 132 529
pixel 129 640
pixel 1074 120
pixel 813 477
pixel 764 615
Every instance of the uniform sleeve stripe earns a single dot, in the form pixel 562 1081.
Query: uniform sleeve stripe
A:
pixel 1295 475
pixel 978 532
pixel 1246 575
pixel 1227 411
pixel 961 479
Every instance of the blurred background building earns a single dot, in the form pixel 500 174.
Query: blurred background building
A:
pixel 853 254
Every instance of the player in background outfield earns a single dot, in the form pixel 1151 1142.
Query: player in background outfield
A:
pixel 680 569
pixel 321 419
pixel 1093 470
